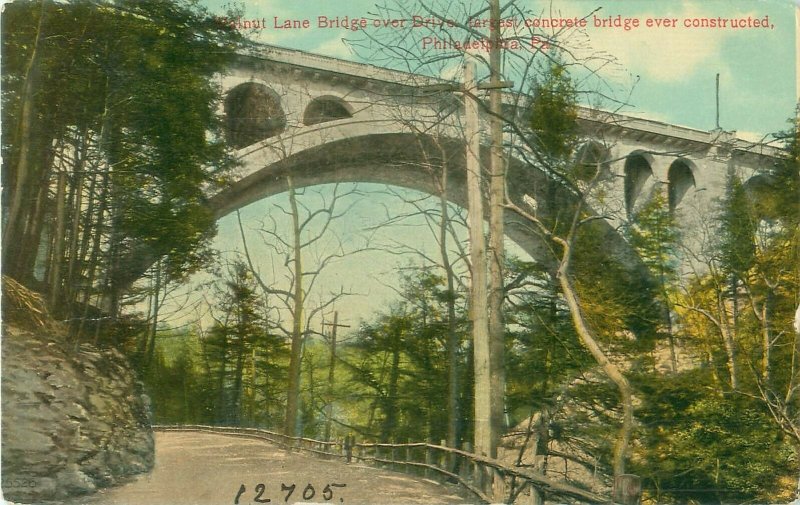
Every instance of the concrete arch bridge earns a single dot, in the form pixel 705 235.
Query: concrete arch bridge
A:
pixel 322 120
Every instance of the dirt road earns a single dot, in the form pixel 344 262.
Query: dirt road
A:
pixel 202 468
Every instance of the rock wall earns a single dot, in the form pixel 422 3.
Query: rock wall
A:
pixel 73 420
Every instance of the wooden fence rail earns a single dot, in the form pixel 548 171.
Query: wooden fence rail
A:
pixel 491 481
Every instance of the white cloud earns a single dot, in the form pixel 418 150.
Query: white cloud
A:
pixel 659 53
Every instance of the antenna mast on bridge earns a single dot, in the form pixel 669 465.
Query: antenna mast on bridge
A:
pixel 718 127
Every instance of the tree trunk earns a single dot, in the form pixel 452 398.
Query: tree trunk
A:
pixel 452 334
pixel 30 241
pixel 24 173
pixel 728 338
pixel 390 419
pixel 290 425
pixel 76 205
pixel 96 235
pixel 238 375
pixel 766 335
pixel 484 436
pixel 222 400
pixel 58 245
pixel 496 236
pixel 587 338
pixel 151 346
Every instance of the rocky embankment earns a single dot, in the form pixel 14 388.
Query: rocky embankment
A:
pixel 74 418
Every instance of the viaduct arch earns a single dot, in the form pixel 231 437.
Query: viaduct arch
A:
pixel 324 120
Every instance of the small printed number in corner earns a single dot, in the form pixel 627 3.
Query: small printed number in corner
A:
pixel 308 493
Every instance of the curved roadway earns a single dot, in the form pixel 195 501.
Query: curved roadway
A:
pixel 203 468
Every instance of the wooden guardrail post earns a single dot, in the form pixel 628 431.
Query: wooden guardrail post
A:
pixel 408 468
pixel 627 489
pixel 428 458
pixel 349 442
pixel 443 457
pixel 394 454
pixel 467 470
pixel 499 488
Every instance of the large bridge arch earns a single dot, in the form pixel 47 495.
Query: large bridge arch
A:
pixel 359 129
pixel 404 159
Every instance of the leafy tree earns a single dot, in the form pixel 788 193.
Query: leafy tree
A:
pixel 400 363
pixel 698 444
pixel 656 237
pixel 737 310
pixel 112 106
pixel 597 294
pixel 244 358
pixel 554 111
pixel 543 349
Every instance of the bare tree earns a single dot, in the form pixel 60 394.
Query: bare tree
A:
pixel 437 46
pixel 298 258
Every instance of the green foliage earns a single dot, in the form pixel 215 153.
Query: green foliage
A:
pixel 701 445
pixel 181 393
pixel 398 361
pixel 245 358
pixel 124 102
pixel 655 236
pixel 738 227
pixel 233 374
pixel 543 351
pixel 621 305
pixel 554 111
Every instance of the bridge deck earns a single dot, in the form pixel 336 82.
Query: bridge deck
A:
pixel 203 468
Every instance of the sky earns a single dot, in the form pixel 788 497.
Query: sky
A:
pixel 664 73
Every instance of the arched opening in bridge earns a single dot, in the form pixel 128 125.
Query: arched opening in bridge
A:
pixel 326 108
pixel 680 178
pixel 637 171
pixel 253 113
pixel 588 157
pixel 761 191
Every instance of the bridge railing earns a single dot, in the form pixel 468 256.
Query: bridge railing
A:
pixel 490 480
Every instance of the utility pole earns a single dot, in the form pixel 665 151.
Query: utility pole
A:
pixel 497 187
pixel 332 367
pixel 717 94
pixel 488 347
pixel 477 249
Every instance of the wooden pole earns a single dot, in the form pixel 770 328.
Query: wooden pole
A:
pixel 408 468
pixel 428 458
pixel 349 442
pixel 331 368
pixel 718 127
pixel 467 472
pixel 478 291
pixel 497 187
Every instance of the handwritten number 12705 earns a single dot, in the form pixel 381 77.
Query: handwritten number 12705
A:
pixel 308 492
